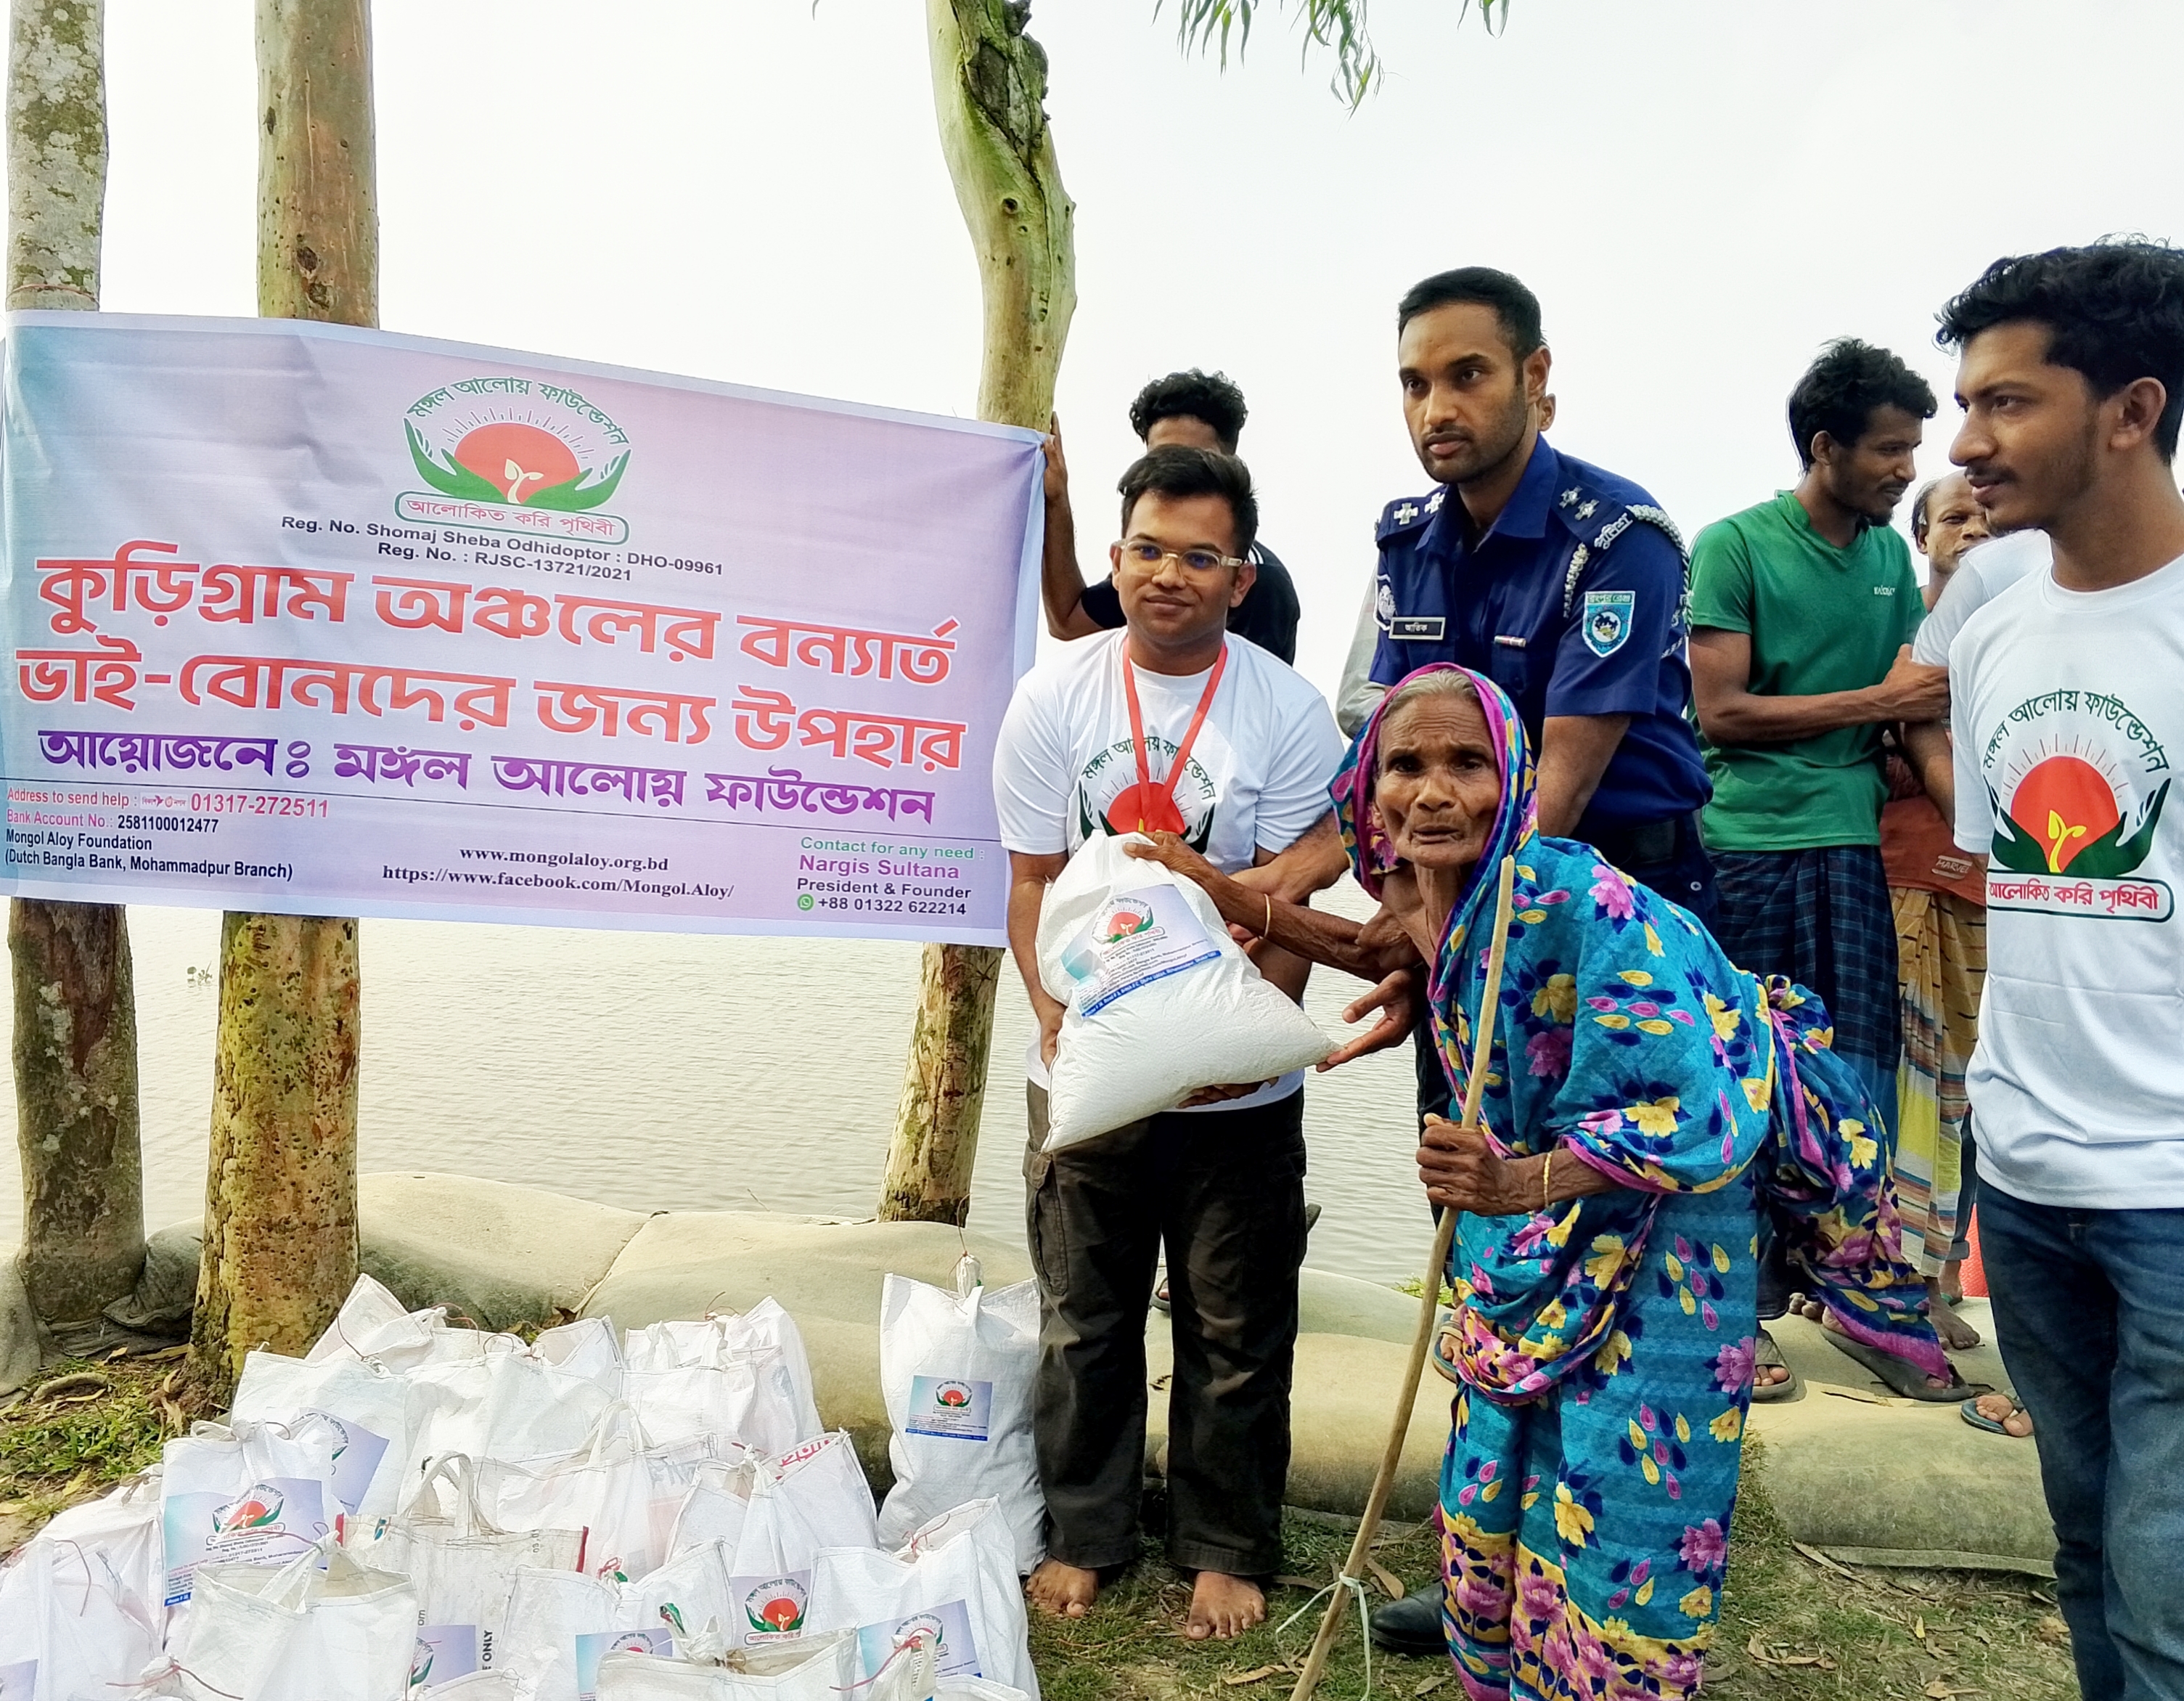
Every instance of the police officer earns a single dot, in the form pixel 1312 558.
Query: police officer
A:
pixel 1562 583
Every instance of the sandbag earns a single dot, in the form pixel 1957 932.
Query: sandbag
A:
pixel 366 1403
pixel 953 1583
pixel 1161 1000
pixel 957 1372
pixel 813 1668
pixel 248 1493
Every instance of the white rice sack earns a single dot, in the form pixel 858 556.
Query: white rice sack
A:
pixel 957 1372
pixel 820 1668
pixel 247 1494
pixel 364 1402
pixel 1161 1000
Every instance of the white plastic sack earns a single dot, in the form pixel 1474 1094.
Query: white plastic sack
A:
pixel 366 1403
pixel 604 1489
pixel 247 1493
pixel 957 1372
pixel 72 1623
pixel 1161 1000
pixel 685 1600
pixel 818 1667
pixel 953 1583
pixel 462 1568
pixel 509 1404
pixel 587 1348
pixel 748 1399
pixel 371 1324
pixel 565 1615
pixel 724 1335
pixel 123 1528
pixel 297 1634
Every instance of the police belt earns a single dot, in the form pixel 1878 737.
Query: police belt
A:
pixel 1640 844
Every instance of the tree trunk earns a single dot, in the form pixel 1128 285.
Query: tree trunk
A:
pixel 280 1221
pixel 75 1018
pixel 990 93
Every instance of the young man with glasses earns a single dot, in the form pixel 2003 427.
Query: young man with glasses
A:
pixel 1235 754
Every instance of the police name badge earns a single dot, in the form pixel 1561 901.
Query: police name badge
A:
pixel 1607 621
pixel 1417 628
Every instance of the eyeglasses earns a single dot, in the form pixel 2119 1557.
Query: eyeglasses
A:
pixel 1149 557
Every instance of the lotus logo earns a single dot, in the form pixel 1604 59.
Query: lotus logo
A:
pixel 775 1606
pixel 953 1394
pixel 259 1509
pixel 1124 920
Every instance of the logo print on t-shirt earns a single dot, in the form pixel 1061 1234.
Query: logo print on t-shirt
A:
pixel 1108 801
pixel 2077 782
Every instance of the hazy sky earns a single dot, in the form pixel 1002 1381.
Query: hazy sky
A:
pixel 751 189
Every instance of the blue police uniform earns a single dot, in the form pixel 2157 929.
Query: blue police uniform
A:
pixel 1572 602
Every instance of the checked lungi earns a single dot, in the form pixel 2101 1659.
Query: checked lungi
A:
pixel 1822 918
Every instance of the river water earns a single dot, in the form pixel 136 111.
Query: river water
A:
pixel 681 1072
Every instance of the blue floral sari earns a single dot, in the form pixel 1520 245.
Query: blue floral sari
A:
pixel 1606 1345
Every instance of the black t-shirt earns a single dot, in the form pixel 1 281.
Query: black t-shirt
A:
pixel 1268 615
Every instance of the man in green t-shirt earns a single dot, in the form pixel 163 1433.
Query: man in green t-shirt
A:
pixel 1802 611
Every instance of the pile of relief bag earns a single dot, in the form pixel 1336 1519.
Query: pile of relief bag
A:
pixel 416 1510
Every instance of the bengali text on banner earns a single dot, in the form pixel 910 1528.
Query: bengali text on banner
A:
pixel 328 622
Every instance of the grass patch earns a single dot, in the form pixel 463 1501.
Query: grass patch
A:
pixel 58 1447
pixel 1817 1631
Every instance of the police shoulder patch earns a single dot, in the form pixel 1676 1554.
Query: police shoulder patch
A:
pixel 1605 621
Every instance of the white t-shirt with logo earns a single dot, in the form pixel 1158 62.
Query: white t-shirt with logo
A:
pixel 1256 779
pixel 2068 712
pixel 1986 570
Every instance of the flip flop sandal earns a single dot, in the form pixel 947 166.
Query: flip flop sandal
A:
pixel 1768 1355
pixel 1980 1420
pixel 1904 1378
pixel 1443 1352
pixel 1161 1299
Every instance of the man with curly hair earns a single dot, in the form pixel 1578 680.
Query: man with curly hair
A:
pixel 1194 409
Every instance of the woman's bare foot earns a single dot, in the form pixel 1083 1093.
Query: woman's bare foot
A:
pixel 1223 1607
pixel 1956 1335
pixel 2002 1409
pixel 1828 1322
pixel 1065 1591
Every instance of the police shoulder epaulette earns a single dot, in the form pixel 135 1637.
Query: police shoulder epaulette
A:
pixel 1599 521
pixel 1408 514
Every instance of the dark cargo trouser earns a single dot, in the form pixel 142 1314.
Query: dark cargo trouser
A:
pixel 1225 1190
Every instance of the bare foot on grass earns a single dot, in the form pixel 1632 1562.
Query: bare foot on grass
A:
pixel 1956 1335
pixel 1223 1608
pixel 1065 1591
pixel 2003 1410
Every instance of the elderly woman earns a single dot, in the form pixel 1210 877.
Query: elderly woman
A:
pixel 1645 1101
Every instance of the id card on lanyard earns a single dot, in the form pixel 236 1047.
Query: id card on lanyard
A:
pixel 1145 807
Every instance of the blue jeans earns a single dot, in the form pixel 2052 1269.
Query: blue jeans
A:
pixel 2086 1309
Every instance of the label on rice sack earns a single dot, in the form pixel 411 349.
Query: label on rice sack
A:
pixel 596 1645
pixel 943 1406
pixel 19 1681
pixel 946 1629
pixel 1134 939
pixel 268 1524
pixel 444 1653
pixel 357 1453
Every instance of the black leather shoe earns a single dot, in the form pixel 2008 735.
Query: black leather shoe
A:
pixel 1412 1626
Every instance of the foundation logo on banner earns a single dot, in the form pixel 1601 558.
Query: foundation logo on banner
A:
pixel 2077 783
pixel 514 454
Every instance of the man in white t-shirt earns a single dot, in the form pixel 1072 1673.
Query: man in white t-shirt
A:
pixel 1236 756
pixel 2067 695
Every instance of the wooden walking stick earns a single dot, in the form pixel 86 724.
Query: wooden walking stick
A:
pixel 1353 1569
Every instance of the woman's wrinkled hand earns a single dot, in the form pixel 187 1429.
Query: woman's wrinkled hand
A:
pixel 1397 999
pixel 1168 849
pixel 1214 1095
pixel 1461 1171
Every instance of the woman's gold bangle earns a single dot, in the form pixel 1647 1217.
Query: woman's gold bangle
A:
pixel 1547 1182
pixel 1267 931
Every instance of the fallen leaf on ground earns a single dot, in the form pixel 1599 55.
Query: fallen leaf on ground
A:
pixel 1919 1626
pixel 1386 1579
pixel 1257 1674
pixel 2052 1629
pixel 1285 1581
pixel 1429 1685
pixel 1757 1650
pixel 1939 1691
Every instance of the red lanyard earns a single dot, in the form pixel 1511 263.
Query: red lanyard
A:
pixel 1144 807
